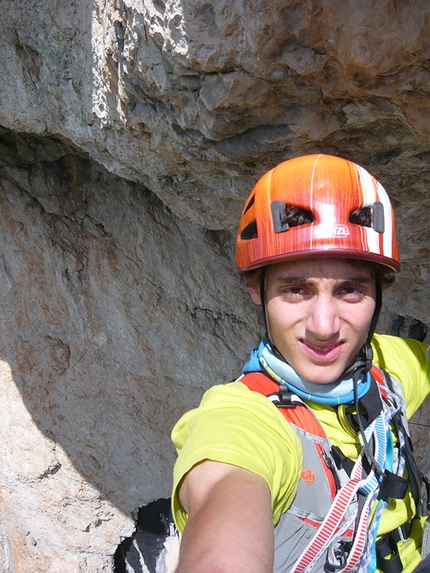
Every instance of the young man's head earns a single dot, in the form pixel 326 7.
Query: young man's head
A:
pixel 316 243
pixel 318 313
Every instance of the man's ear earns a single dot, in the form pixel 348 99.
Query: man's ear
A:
pixel 254 291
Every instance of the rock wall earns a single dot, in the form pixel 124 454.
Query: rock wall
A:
pixel 113 322
pixel 132 133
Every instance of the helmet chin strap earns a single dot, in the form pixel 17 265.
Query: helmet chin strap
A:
pixel 366 356
pixel 366 353
pixel 263 302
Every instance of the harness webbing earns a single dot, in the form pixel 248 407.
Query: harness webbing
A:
pixel 338 524
pixel 327 530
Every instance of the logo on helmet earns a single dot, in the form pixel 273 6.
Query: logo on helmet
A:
pixel 340 231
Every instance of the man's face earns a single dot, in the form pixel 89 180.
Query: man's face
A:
pixel 318 314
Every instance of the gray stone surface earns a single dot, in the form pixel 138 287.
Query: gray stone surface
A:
pixel 116 314
pixel 133 131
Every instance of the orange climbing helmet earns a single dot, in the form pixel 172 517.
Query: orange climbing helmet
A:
pixel 339 210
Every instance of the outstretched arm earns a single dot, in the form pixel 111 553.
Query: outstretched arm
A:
pixel 230 527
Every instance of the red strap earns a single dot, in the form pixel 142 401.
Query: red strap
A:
pixel 377 374
pixel 300 415
pixel 261 383
pixel 380 379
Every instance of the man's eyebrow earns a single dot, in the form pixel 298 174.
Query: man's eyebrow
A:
pixel 357 280
pixel 305 281
pixel 294 280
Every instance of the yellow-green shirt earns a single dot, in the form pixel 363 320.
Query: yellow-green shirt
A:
pixel 238 426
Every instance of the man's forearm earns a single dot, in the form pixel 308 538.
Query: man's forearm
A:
pixel 232 531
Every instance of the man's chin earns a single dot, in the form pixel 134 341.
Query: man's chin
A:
pixel 322 374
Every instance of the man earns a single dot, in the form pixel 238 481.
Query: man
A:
pixel 313 478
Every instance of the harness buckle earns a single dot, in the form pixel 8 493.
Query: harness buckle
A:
pixel 285 397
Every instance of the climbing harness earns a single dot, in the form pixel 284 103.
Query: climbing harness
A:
pixel 339 502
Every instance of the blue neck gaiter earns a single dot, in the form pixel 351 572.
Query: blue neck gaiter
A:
pixel 264 359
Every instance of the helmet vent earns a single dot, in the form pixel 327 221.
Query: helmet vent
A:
pixel 250 204
pixel 372 217
pixel 249 232
pixel 286 216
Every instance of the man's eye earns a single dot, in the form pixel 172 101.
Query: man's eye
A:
pixel 352 292
pixel 349 290
pixel 294 291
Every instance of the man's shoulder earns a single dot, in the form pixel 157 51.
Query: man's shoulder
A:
pixel 387 347
pixel 406 360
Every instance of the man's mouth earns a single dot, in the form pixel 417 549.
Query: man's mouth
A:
pixel 322 352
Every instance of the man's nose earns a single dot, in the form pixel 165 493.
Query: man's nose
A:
pixel 323 321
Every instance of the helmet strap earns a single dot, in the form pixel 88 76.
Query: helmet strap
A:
pixel 263 299
pixel 366 352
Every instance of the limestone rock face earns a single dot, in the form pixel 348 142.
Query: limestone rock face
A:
pixel 114 320
pixel 132 133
